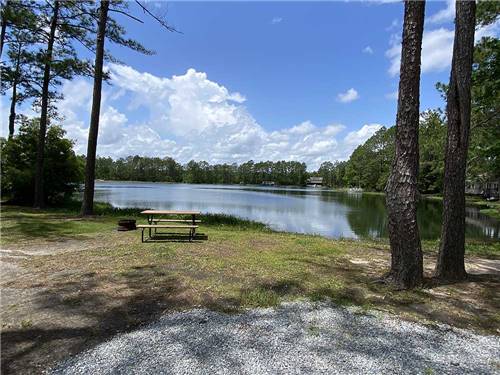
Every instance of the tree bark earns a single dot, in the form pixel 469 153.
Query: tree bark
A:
pixel 12 115
pixel 450 264
pixel 402 192
pixel 4 26
pixel 39 200
pixel 13 100
pixel 88 194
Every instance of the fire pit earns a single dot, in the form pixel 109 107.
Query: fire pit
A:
pixel 126 224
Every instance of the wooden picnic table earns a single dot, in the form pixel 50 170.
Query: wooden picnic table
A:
pixel 155 218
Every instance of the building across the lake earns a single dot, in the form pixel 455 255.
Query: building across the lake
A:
pixel 268 183
pixel 315 181
pixel 489 189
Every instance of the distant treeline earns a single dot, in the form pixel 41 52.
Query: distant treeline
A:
pixel 139 168
pixel 368 167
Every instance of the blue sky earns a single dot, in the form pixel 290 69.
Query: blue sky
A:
pixel 292 69
pixel 307 81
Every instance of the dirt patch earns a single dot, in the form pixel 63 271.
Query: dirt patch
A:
pixel 63 245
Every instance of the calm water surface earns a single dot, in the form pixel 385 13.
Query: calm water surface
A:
pixel 303 210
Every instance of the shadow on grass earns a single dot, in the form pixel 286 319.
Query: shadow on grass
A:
pixel 59 223
pixel 92 308
pixel 50 230
pixel 471 303
pixel 85 313
pixel 174 237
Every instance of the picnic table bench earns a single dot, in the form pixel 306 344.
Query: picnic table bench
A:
pixel 156 216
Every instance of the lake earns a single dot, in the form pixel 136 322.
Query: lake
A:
pixel 303 210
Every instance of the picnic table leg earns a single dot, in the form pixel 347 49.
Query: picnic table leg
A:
pixel 194 223
pixel 142 235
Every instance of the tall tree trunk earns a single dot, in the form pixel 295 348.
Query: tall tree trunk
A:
pixel 402 192
pixel 39 200
pixel 13 100
pixel 88 194
pixel 4 26
pixel 450 264
pixel 12 115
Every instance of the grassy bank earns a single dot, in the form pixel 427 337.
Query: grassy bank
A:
pixel 74 282
pixel 488 208
pixel 24 224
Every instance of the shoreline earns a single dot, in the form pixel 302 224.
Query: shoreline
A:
pixel 487 208
pixel 485 247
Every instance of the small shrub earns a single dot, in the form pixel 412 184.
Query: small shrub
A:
pixel 63 170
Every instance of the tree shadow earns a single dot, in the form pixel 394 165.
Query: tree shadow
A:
pixel 474 302
pixel 292 336
pixel 79 315
pixel 27 228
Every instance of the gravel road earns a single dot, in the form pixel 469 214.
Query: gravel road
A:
pixel 299 337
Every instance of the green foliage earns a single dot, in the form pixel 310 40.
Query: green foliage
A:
pixel 487 12
pixel 280 172
pixel 484 149
pixel 483 162
pixel 63 171
pixel 432 136
pixel 369 165
pixel 137 168
pixel 333 173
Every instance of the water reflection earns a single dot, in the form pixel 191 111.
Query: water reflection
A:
pixel 320 211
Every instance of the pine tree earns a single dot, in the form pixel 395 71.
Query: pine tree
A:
pixel 61 23
pixel 451 264
pixel 108 28
pixel 402 192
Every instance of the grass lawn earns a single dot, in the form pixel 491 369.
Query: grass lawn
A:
pixel 69 283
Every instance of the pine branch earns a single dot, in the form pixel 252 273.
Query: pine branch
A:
pixel 126 14
pixel 162 22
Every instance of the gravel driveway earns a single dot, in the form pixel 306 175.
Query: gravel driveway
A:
pixel 298 337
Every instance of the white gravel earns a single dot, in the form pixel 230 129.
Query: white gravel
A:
pixel 299 337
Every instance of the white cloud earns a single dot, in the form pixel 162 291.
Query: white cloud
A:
pixel 361 135
pixel 110 126
pixel 276 20
pixel 444 15
pixel 333 129
pixel 348 96
pixel 394 55
pixel 303 128
pixel 437 48
pixel 190 117
pixel 368 50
